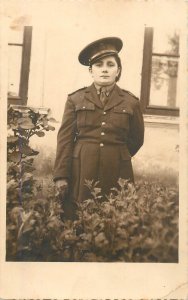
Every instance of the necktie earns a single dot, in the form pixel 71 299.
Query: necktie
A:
pixel 103 96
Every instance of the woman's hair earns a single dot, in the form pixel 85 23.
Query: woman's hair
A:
pixel 118 60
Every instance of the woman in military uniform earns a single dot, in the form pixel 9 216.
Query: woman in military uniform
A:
pixel 102 126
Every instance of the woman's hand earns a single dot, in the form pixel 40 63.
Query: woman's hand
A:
pixel 61 187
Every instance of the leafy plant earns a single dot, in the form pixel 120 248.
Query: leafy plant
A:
pixel 23 123
pixel 134 224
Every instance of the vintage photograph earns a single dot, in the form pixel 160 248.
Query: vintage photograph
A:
pixel 94 97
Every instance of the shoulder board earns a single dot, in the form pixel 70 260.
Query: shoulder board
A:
pixel 77 91
pixel 131 94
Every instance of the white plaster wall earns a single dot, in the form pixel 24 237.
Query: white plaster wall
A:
pixel 159 156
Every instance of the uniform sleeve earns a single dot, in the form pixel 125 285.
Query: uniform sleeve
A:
pixel 65 142
pixel 136 133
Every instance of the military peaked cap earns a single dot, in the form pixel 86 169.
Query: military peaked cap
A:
pixel 100 48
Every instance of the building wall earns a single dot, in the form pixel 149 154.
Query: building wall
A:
pixel 158 159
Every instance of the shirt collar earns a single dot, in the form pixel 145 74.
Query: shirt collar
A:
pixel 107 89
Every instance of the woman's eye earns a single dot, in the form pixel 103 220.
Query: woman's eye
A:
pixel 98 64
pixel 111 65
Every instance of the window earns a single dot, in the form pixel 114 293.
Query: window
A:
pixel 19 51
pixel 160 72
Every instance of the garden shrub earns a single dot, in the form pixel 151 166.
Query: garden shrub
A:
pixel 23 123
pixel 134 224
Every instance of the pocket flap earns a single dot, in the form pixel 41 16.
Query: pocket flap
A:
pixel 123 110
pixel 76 151
pixel 125 155
pixel 85 106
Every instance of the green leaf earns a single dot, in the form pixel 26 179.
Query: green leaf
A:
pixel 35 152
pixel 50 128
pixel 12 184
pixel 40 133
pixel 27 177
pixel 27 126
pixel 42 110
pixel 27 228
pixel 20 108
pixel 100 239
pixel 16 214
pixel 15 168
pixel 122 182
pixel 28 160
pixel 12 139
pixel 25 114
pixel 24 120
pixel 25 123
pixel 28 168
pixel 45 123
pixel 53 120
pixel 11 227
pixel 25 149
pixel 14 125
pixel 15 156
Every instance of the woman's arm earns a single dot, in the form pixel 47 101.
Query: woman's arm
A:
pixel 136 133
pixel 65 143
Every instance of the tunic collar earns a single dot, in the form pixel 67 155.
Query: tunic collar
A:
pixel 106 89
pixel 116 96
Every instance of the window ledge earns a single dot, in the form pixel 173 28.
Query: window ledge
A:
pixel 157 120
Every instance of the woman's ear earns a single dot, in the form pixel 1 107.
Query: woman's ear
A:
pixel 118 72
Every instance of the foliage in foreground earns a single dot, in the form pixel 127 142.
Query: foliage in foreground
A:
pixel 23 124
pixel 134 224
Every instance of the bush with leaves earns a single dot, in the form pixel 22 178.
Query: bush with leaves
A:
pixel 23 123
pixel 134 224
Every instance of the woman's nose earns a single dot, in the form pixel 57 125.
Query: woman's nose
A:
pixel 104 70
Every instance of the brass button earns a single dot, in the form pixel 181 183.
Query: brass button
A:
pixel 103 123
pixel 102 133
pixel 104 113
pixel 124 110
pixel 101 145
pixel 84 107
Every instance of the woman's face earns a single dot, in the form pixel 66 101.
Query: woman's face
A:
pixel 105 70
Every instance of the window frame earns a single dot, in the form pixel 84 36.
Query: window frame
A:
pixel 21 99
pixel 146 79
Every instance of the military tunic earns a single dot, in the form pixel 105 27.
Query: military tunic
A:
pixel 96 142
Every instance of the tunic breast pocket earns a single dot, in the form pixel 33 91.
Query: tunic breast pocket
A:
pixel 85 114
pixel 120 116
